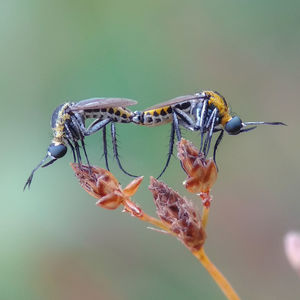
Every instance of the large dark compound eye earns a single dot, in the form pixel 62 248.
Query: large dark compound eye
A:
pixel 234 126
pixel 57 151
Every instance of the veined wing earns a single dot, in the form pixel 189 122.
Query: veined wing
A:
pixel 94 103
pixel 174 101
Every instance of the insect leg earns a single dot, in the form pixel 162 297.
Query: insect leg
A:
pixel 115 148
pixel 185 119
pixel 80 122
pixel 97 125
pixel 210 132
pixel 77 152
pixel 84 150
pixel 201 111
pixel 69 133
pixel 217 144
pixel 171 145
pixel 105 147
pixel 73 150
pixel 80 130
pixel 176 126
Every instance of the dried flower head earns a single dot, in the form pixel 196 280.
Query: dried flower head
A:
pixel 178 214
pixel 292 249
pixel 202 172
pixel 102 185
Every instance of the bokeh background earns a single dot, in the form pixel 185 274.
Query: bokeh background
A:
pixel 55 243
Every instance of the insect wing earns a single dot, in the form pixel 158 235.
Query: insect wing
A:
pixel 95 103
pixel 174 101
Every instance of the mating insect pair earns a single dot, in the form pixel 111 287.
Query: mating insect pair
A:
pixel 206 112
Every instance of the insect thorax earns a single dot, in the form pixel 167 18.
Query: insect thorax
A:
pixel 58 120
pixel 218 101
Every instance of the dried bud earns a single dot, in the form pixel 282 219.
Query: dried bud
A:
pixel 202 172
pixel 292 249
pixel 178 214
pixel 102 185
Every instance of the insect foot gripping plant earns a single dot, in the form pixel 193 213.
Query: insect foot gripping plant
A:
pixel 177 215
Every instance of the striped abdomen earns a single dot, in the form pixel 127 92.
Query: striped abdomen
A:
pixel 117 114
pixel 160 115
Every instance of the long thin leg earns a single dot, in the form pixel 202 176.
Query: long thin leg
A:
pixel 176 126
pixel 201 112
pixel 115 149
pixel 80 120
pixel 177 130
pixel 185 119
pixel 77 152
pixel 171 146
pixel 73 150
pixel 217 144
pixel 85 154
pixel 77 124
pixel 105 147
pixel 95 126
pixel 210 132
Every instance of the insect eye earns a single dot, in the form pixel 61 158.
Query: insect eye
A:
pixel 57 151
pixel 234 125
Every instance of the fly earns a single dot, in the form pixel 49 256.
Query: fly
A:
pixel 68 125
pixel 206 112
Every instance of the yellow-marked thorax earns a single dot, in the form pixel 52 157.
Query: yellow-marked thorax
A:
pixel 220 103
pixel 58 129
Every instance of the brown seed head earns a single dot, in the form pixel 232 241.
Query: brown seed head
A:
pixel 178 214
pixel 102 185
pixel 202 172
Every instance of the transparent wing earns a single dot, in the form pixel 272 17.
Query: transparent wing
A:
pixel 94 103
pixel 174 101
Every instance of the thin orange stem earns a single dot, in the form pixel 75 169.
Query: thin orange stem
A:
pixel 146 218
pixel 205 213
pixel 218 277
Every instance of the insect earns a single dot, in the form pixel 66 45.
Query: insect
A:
pixel 206 112
pixel 68 125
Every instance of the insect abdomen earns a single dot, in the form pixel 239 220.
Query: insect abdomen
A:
pixel 155 117
pixel 117 114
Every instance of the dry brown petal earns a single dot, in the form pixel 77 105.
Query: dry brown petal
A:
pixel 202 172
pixel 133 186
pixel 178 214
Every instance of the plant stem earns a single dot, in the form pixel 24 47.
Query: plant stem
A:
pixel 146 218
pixel 218 277
pixel 205 213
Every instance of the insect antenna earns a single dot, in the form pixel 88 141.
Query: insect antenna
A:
pixel 247 129
pixel 49 163
pixel 263 123
pixel 29 180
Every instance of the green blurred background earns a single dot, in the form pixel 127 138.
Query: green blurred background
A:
pixel 55 243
